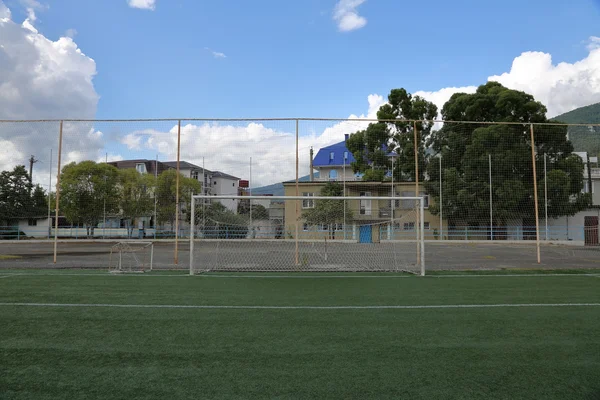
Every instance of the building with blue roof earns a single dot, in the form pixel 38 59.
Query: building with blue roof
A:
pixel 333 163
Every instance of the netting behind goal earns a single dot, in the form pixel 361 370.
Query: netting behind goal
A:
pixel 131 256
pixel 306 233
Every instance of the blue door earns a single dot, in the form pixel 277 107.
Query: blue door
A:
pixel 365 235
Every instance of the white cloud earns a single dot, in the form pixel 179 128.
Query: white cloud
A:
pixel 440 97
pixel 346 16
pixel 5 14
pixel 593 43
pixel 132 141
pixel 31 14
pixel 142 4
pixel 560 87
pixel 71 33
pixel 216 54
pixel 43 79
pixel 228 146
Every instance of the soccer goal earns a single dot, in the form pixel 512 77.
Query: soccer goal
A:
pixel 131 256
pixel 307 233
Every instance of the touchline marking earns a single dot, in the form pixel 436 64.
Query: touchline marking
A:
pixel 393 276
pixel 251 307
pixel 93 274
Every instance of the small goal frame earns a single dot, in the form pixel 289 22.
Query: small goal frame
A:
pixel 136 243
pixel 420 215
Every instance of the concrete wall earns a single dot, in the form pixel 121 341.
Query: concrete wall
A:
pixel 225 186
pixel 567 228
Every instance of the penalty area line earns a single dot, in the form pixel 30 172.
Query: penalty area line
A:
pixel 307 307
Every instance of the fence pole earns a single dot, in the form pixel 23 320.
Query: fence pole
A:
pixel 416 149
pixel 441 203
pixel 250 192
pixel 192 228
pixel 177 194
pixel 155 193
pixel 546 195
pixel 344 185
pixel 491 200
pixel 60 136
pixel 535 196
pixel 49 192
pixel 297 194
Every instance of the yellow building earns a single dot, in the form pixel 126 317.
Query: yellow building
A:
pixel 367 220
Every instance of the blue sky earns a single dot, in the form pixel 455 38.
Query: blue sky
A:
pixel 288 58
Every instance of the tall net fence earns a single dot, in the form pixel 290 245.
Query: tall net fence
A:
pixel 491 199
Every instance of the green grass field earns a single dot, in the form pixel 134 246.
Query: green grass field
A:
pixel 83 335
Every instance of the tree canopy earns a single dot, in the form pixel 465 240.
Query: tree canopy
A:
pixel 328 212
pixel 371 147
pixel 87 191
pixel 16 197
pixel 166 194
pixel 465 149
pixel 137 198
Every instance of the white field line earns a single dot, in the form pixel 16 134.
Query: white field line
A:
pixel 184 275
pixel 8 275
pixel 308 307
pixel 391 276
pixel 5 275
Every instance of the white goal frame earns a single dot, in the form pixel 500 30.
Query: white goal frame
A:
pixel 421 214
pixel 135 243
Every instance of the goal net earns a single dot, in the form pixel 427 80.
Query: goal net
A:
pixel 131 256
pixel 307 233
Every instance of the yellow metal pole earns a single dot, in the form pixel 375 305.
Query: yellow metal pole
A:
pixel 177 194
pixel 417 209
pixel 56 208
pixel 535 196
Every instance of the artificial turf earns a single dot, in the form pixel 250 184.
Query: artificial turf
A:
pixel 167 353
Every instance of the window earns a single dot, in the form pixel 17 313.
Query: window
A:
pixel 233 184
pixel 426 225
pixel 305 227
pixel 141 168
pixel 194 175
pixel 409 226
pixel 215 182
pixel 331 156
pixel 32 222
pixel 324 227
pixel 333 174
pixel 365 205
pixel 345 156
pixel 339 227
pixel 308 203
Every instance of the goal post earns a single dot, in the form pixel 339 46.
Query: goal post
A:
pixel 329 234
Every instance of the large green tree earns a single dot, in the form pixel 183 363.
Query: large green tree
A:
pixel 465 149
pixel 216 221
pixel 137 196
pixel 258 211
pixel 370 147
pixel 16 197
pixel 166 195
pixel 87 191
pixel 329 212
